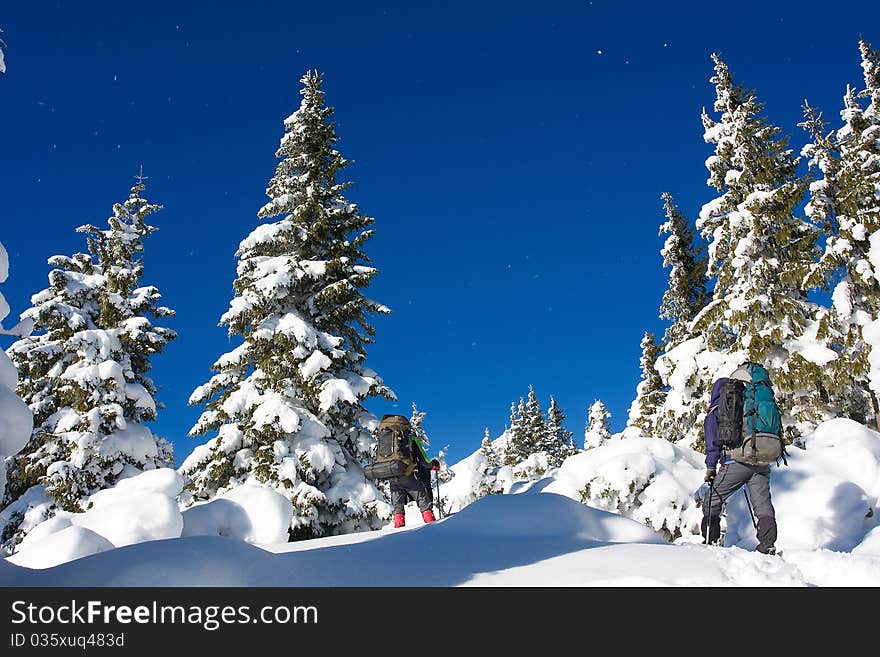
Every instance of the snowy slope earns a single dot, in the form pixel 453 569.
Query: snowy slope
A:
pixel 540 533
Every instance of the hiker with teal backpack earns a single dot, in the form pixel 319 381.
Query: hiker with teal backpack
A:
pixel 743 432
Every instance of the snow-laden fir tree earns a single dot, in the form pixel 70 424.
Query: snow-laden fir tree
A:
pixel 654 411
pixel 487 482
pixel 85 374
pixel 685 294
pixel 285 406
pixel 598 431
pixel 518 446
pixel 534 451
pixel 845 201
pixel 841 325
pixel 487 450
pixel 415 419
pixel 650 392
pixel 759 254
pixel 534 424
pixel 559 441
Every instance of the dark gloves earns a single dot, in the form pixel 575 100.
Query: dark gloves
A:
pixel 435 464
pixel 710 475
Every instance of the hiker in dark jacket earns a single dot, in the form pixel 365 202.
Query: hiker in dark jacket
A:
pixel 729 477
pixel 416 486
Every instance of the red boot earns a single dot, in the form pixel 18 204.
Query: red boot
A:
pixel 399 520
pixel 428 516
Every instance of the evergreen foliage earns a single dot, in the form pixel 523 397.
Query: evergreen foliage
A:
pixel 686 294
pixel 286 404
pixel 535 442
pixel 597 431
pixel 487 450
pixel 559 441
pixel 844 202
pixel 534 424
pixel 650 393
pixel 85 374
pixel 760 253
pixel 518 445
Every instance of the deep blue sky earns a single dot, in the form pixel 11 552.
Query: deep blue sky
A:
pixel 513 157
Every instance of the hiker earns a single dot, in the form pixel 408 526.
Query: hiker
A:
pixel 416 486
pixel 735 469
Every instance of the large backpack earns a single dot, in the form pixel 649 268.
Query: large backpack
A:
pixel 749 421
pixel 394 457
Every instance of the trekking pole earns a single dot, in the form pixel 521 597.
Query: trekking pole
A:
pixel 437 481
pixel 708 514
pixel 751 514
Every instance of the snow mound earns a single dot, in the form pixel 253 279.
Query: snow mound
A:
pixel 138 508
pixel 202 561
pixel 544 515
pixel 252 513
pixel 145 517
pixel 164 481
pixel 647 479
pixel 59 547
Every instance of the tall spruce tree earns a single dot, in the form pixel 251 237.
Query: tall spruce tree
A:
pixel 685 295
pixel 415 421
pixel 759 253
pixel 650 392
pixel 518 447
pixel 597 431
pixel 559 441
pixel 85 376
pixel 488 450
pixel 534 424
pixel 844 201
pixel 654 411
pixel 286 404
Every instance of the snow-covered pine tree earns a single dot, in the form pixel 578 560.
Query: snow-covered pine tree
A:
pixel 650 392
pixel 844 201
pixel 486 448
pixel 559 441
pixel 533 458
pixel 85 377
pixel 668 399
pixel 686 293
pixel 415 420
pixel 286 404
pixel 486 482
pixel 841 325
pixel 759 253
pixel 534 424
pixel 517 446
pixel 597 431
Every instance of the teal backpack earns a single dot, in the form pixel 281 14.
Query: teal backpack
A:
pixel 761 440
pixel 760 411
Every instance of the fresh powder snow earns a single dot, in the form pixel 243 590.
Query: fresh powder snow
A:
pixel 620 514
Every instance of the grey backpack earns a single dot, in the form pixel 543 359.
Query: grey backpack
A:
pixel 394 457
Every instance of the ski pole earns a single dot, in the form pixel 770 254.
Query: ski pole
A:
pixel 751 514
pixel 709 514
pixel 437 481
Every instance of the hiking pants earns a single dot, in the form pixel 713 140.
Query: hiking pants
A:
pixel 731 477
pixel 414 487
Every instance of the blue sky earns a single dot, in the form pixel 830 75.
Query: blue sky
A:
pixel 512 154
